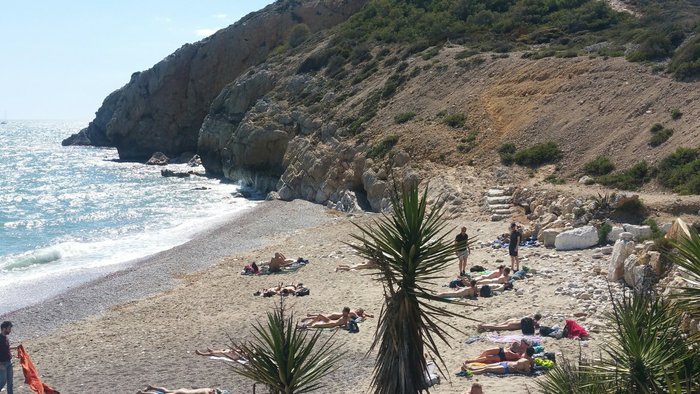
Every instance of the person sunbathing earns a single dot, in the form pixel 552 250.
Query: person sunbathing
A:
pixel 495 355
pixel 495 274
pixel 279 261
pixel 369 264
pixel 321 321
pixel 508 325
pixel 162 390
pixel 357 313
pixel 280 289
pixel 522 365
pixel 504 278
pixel 232 353
pixel 466 292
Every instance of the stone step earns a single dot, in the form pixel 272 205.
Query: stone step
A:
pixel 495 217
pixel 501 211
pixel 495 193
pixel 499 206
pixel 498 200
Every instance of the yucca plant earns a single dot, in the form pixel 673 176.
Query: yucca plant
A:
pixel 688 258
pixel 287 360
pixel 411 250
pixel 567 377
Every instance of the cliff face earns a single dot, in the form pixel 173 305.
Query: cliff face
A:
pixel 162 109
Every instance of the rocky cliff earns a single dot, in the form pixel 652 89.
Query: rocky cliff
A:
pixel 162 109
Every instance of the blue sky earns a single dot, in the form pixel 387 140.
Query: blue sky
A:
pixel 60 59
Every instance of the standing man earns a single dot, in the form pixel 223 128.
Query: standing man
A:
pixel 6 356
pixel 513 246
pixel 463 249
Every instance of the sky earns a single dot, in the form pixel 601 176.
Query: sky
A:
pixel 59 59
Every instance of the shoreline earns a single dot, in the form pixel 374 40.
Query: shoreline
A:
pixel 162 271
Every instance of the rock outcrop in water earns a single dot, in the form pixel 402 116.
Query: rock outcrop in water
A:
pixel 162 109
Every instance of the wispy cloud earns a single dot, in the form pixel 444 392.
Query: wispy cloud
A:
pixel 164 19
pixel 204 32
pixel 219 16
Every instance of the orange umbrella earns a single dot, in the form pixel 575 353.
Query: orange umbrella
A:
pixel 31 376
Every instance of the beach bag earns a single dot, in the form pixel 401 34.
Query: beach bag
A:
pixel 545 331
pixel 353 327
pixel 477 268
pixel 304 291
pixel 527 325
pixel 455 283
pixel 485 291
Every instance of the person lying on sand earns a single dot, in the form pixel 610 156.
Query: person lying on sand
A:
pixel 523 365
pixel 357 313
pixel 162 390
pixel 279 261
pixel 370 264
pixel 504 278
pixel 508 325
pixel 281 290
pixel 495 355
pixel 466 292
pixel 495 274
pixel 232 353
pixel 321 321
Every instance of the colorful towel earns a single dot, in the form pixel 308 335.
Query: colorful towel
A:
pixel 533 339
pixel 31 375
pixel 574 330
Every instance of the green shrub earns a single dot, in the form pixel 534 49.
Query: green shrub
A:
pixel 455 121
pixel 680 171
pixel 603 232
pixel 630 179
pixel 685 64
pixel 360 54
pixel 430 53
pixel 538 154
pixel 601 165
pixel 676 114
pixel 554 180
pixel 465 54
pixel 380 150
pixel 404 117
pixel 391 61
pixel 335 65
pixel 506 153
pixel 392 84
pixel 298 35
pixel 656 128
pixel 660 137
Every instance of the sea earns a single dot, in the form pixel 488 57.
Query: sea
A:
pixel 69 215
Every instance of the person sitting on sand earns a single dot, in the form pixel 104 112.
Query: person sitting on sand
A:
pixel 504 278
pixel 321 321
pixel 465 292
pixel 523 365
pixel 495 274
pixel 279 261
pixel 369 264
pixel 495 355
pixel 475 389
pixel 508 325
pixel 162 390
pixel 357 313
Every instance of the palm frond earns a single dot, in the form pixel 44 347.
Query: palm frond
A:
pixel 688 258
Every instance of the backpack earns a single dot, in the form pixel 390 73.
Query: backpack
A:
pixel 527 325
pixel 455 283
pixel 485 291
pixel 304 291
pixel 477 268
pixel 353 327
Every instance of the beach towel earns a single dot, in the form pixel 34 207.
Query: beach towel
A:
pixel 31 375
pixel 533 339
pixel 241 361
pixel 431 374
pixel 472 339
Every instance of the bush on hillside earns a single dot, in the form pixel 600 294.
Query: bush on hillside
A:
pixel 660 137
pixel 455 121
pixel 298 35
pixel 506 153
pixel 680 171
pixel 676 114
pixel 380 150
pixel 601 165
pixel 685 64
pixel 538 154
pixel 404 117
pixel 630 179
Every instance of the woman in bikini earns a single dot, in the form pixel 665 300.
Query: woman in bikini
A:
pixel 466 292
pixel 523 365
pixel 370 264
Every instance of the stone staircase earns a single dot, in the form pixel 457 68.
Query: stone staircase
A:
pixel 498 201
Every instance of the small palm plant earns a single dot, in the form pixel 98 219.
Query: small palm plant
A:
pixel 688 258
pixel 285 359
pixel 411 249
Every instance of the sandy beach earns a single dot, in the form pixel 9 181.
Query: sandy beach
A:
pixel 141 326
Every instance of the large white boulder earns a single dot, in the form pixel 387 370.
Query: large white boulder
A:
pixel 639 232
pixel 548 237
pixel 616 267
pixel 630 264
pixel 578 238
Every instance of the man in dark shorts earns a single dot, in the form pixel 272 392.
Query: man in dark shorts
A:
pixel 6 356
pixel 515 238
pixel 463 249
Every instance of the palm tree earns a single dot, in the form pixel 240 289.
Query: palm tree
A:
pixel 688 258
pixel 411 249
pixel 287 360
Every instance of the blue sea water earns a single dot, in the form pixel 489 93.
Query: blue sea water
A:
pixel 67 213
